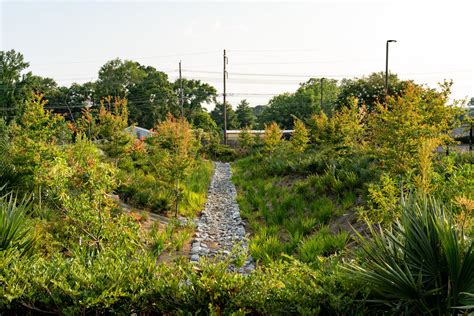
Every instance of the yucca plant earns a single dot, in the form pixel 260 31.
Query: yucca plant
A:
pixel 15 232
pixel 419 265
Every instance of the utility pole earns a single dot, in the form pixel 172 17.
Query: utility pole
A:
pixel 224 95
pixel 181 98
pixel 321 93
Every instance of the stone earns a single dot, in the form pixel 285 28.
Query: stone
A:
pixel 220 225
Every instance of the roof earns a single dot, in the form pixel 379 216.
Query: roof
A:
pixel 139 131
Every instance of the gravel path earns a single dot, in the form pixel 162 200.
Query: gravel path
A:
pixel 220 228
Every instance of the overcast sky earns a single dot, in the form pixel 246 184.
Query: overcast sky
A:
pixel 69 41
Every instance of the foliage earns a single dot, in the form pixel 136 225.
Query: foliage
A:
pixel 203 120
pixel 244 115
pixel 323 243
pixel 177 155
pixel 32 143
pixel 246 139
pixel 396 129
pixel 195 94
pixel 116 77
pixel 318 128
pixel 383 198
pixel 370 90
pixel 272 138
pixel 15 229
pixel 421 264
pixel 301 104
pixel 152 98
pixel 299 138
pixel 111 282
pixel 214 150
pixel 12 64
pixel 217 115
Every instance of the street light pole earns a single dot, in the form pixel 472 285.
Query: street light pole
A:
pixel 224 97
pixel 386 67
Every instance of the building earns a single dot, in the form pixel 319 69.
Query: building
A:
pixel 139 132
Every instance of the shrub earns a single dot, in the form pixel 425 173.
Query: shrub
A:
pixel 300 138
pixel 220 152
pixel 383 200
pixel 265 247
pixel 273 137
pixel 16 231
pixel 322 243
pixel 420 264
pixel 323 209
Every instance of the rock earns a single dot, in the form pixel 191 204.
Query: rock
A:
pixel 220 224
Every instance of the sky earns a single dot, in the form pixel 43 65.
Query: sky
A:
pixel 271 46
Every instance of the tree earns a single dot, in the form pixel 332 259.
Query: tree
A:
pixel 204 121
pixel 318 128
pixel 52 93
pixel 301 104
pixel 195 95
pixel 175 138
pixel 329 90
pixel 34 142
pixel 244 114
pixel 217 115
pixel 246 139
pixel 116 77
pixel 370 90
pixel 11 66
pixel 397 127
pixel 152 98
pixel 273 137
pixel 300 137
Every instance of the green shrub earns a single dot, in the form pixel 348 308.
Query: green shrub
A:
pixel 16 231
pixel 322 243
pixel 323 209
pixel 421 264
pixel 266 247
pixel 220 152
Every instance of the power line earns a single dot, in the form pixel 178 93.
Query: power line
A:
pixel 135 57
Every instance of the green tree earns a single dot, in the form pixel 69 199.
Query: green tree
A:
pixel 300 137
pixel 397 128
pixel 244 114
pixel 204 121
pixel 152 98
pixel 116 77
pixel 329 90
pixel 217 115
pixel 246 139
pixel 35 141
pixel 318 125
pixel 11 66
pixel 370 90
pixel 178 149
pixel 301 104
pixel 273 137
pixel 195 95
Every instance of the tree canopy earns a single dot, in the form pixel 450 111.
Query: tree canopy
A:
pixel 217 115
pixel 369 90
pixel 306 101
pixel 245 115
